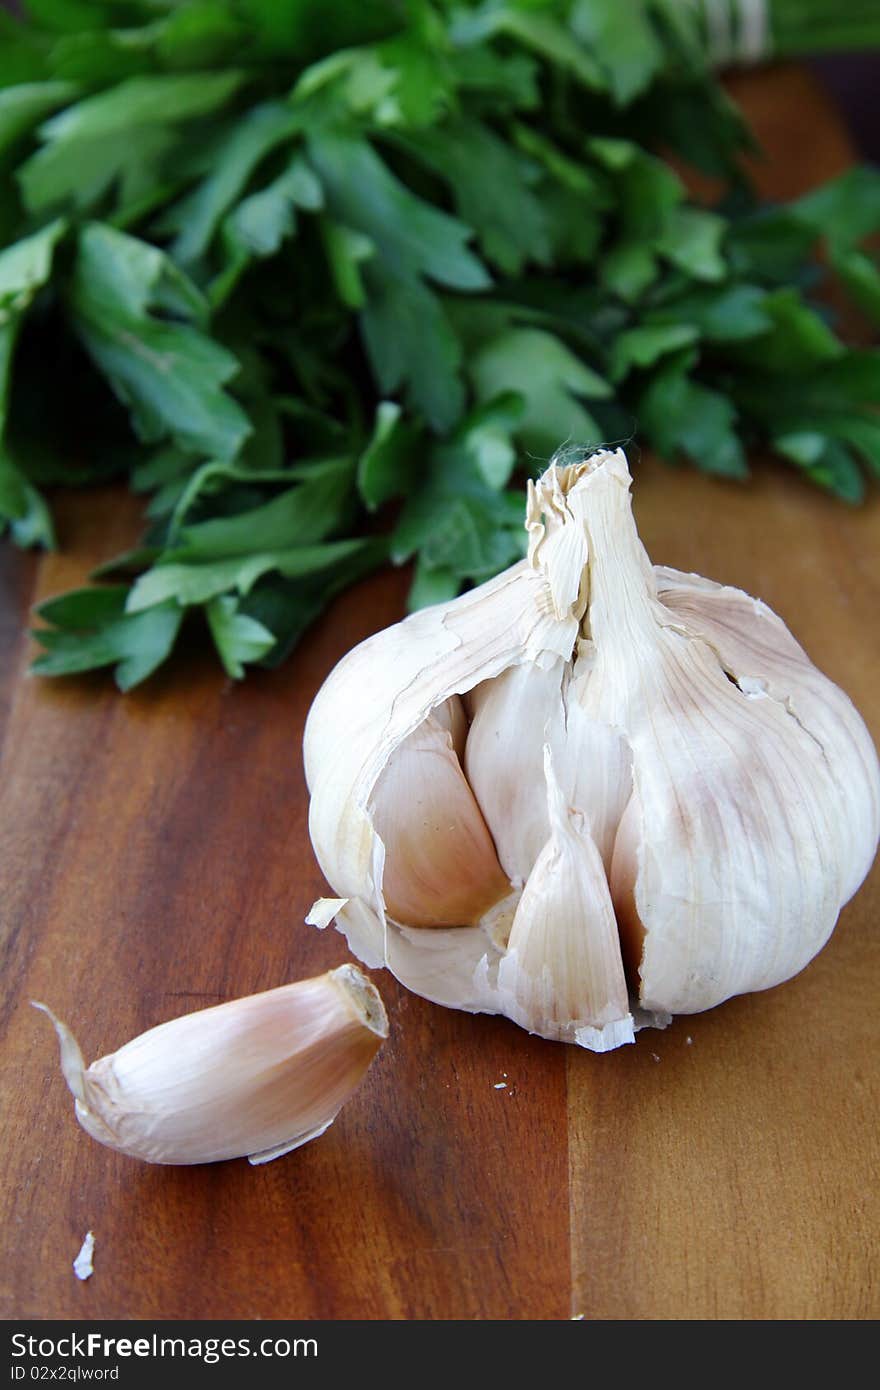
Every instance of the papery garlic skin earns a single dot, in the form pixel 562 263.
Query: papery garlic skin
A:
pixel 255 1077
pixel 729 791
pixel 513 718
pixel 752 641
pixel 562 959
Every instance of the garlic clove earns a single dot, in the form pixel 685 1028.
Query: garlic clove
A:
pixel 757 651
pixel 738 884
pixel 512 717
pixel 440 868
pixel 562 973
pixel 594 766
pixel 279 1150
pixel 451 716
pixel 622 879
pixel 258 1076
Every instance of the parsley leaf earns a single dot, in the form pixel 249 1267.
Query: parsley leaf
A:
pixel 24 269
pixel 92 629
pixel 323 283
pixel 168 372
pixel 237 637
pixel 551 380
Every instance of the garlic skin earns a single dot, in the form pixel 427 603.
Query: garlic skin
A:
pixel 638 737
pixel 257 1076
pixel 561 960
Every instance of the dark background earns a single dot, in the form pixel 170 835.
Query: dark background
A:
pixel 854 83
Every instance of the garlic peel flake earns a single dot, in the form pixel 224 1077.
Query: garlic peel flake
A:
pixel 638 737
pixel 83 1265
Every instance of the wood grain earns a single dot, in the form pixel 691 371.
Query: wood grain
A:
pixel 727 1168
pixel 155 858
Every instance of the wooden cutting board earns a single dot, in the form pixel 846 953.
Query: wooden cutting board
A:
pixel 155 859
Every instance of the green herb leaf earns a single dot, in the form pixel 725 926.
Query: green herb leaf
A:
pixel 692 241
pixel 412 236
pixel 551 381
pixel 546 36
pixel 21 107
pixel 622 34
pixel 237 637
pixel 196 583
pixel 727 314
pixel 628 269
pixel 346 251
pixel 286 607
pixel 797 338
pixel 860 276
pixel 260 222
pixel 845 210
pixel 196 217
pixel 318 259
pixel 494 190
pixel 155 100
pixel 24 269
pixel 643 346
pixel 169 374
pixel 460 520
pixel 410 342
pixel 681 416
pixel 385 466
pixel 22 508
pixel 828 462
pixel 91 144
pixel 299 516
pixel 84 608
pixel 135 644
pixel 432 584
pixel 770 245
pixel 487 437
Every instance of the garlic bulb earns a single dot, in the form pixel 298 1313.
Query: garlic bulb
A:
pixel 257 1076
pixel 659 803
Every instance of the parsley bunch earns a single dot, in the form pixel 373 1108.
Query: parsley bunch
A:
pixel 279 263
